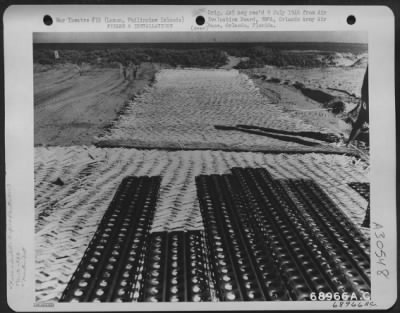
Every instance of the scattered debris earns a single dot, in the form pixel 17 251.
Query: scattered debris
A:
pixel 336 106
pixel 273 80
pixel 317 95
pixel 58 182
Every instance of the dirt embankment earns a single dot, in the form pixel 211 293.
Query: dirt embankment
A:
pixel 73 106
pixel 335 89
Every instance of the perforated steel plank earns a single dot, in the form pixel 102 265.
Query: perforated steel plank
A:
pixel 341 258
pixel 109 269
pixel 301 272
pixel 309 244
pixel 176 268
pixel 242 269
pixel 343 241
pixel 264 240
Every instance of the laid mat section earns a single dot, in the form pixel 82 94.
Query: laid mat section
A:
pixel 61 178
pixel 108 269
pixel 68 214
pixel 315 247
pixel 86 170
pixel 187 103
pixel 176 268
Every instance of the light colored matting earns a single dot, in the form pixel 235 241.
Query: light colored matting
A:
pixel 181 108
pixel 74 186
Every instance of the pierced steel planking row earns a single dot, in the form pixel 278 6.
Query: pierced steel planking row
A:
pixel 238 277
pixel 265 240
pixel 346 262
pixel 176 268
pixel 109 269
pixel 307 242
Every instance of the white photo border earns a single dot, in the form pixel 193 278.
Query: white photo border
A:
pixel 21 21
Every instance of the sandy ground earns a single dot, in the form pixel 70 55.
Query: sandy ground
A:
pixel 337 81
pixel 232 61
pixel 72 109
pixel 298 106
pixel 346 78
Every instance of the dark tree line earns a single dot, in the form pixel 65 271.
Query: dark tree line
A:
pixel 185 58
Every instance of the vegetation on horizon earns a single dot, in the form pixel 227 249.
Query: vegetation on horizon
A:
pixel 196 55
pixel 184 58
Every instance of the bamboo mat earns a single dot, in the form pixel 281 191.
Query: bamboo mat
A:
pixel 68 214
pixel 181 108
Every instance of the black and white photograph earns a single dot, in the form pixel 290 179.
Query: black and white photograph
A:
pixel 168 169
